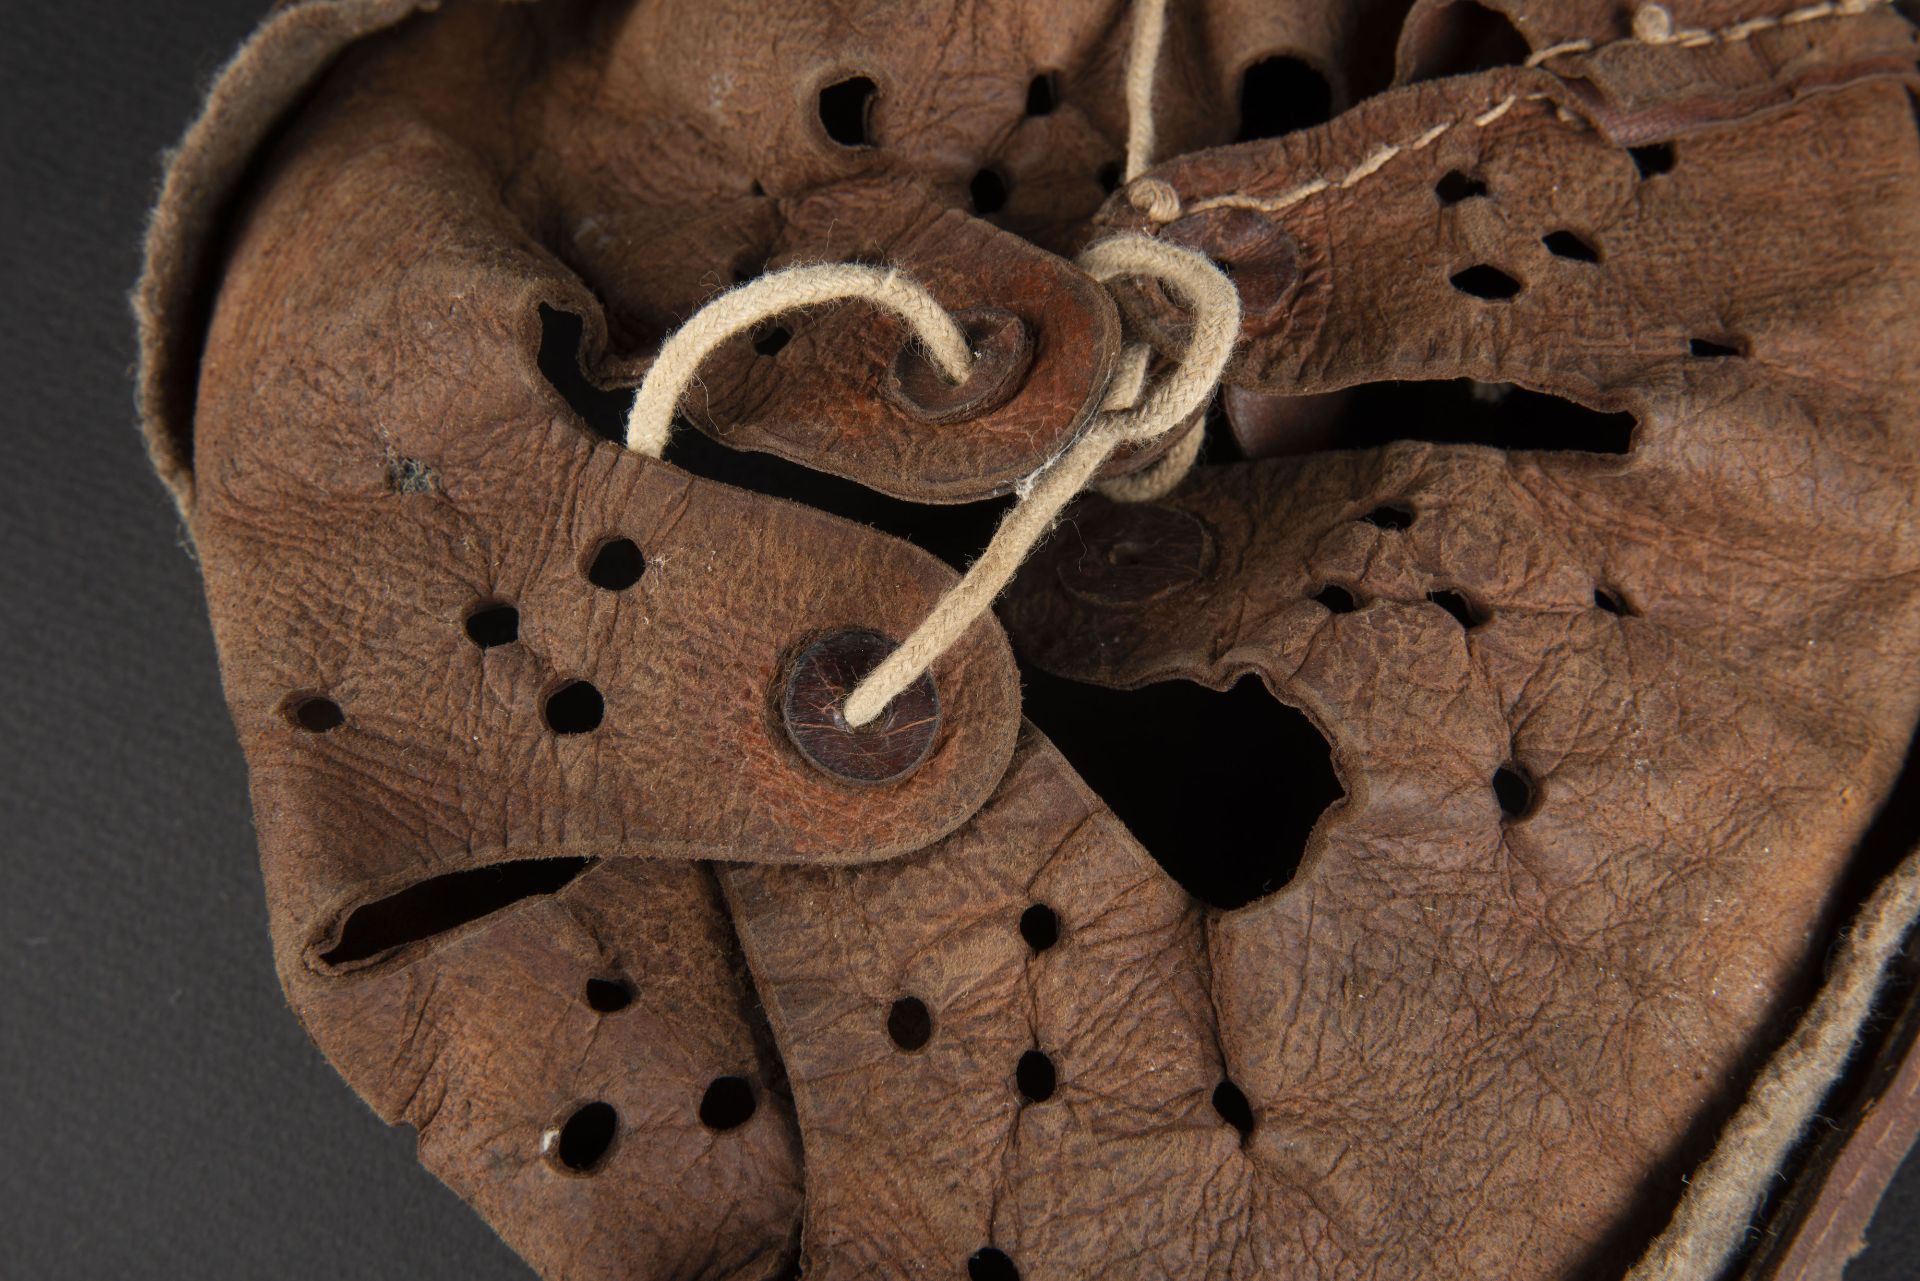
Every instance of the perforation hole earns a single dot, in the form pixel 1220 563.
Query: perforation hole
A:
pixel 1570 245
pixel 991 1265
pixel 1716 348
pixel 909 1024
pixel 1466 611
pixel 1034 1077
pixel 495 624
pixel 846 111
pixel 575 708
pixel 1611 601
pixel 1515 791
pixel 770 340
pixel 728 1103
pixel 608 995
pixel 1336 598
pixel 1233 1107
pixel 585 1139
pixel 1279 95
pixel 1455 187
pixel 988 192
pixel 1653 159
pixel 1043 94
pixel 1390 516
pixel 616 565
pixel 316 715
pixel 1485 282
pixel 750 266
pixel 1040 927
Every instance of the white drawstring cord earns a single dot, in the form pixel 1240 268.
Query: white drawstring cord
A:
pixel 650 420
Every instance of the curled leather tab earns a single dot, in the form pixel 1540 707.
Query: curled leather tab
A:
pixel 367 493
pixel 825 397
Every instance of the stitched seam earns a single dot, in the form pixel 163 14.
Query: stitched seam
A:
pixel 1652 26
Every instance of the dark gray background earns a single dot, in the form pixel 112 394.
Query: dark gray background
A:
pixel 162 1114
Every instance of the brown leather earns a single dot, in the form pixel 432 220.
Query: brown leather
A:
pixel 1611 692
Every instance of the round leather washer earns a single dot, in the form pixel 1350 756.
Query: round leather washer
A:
pixel 885 749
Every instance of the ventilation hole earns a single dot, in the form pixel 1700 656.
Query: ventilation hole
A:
pixel 1612 601
pixel 1043 94
pixel 1190 772
pixel 750 267
pixel 1455 186
pixel 1482 281
pixel 491 625
pixel 1465 612
pixel 1708 349
pixel 991 1265
pixel 1034 1077
pixel 586 1137
pixel 1109 177
pixel 575 708
pixel 617 565
pixel 988 191
pixel 1463 38
pixel 1514 790
pixel 1390 516
pixel 846 111
pixel 443 903
pixel 609 996
pixel 955 533
pixel 1336 598
pixel 604 412
pixel 1233 1107
pixel 727 1104
pixel 909 1024
pixel 1040 927
pixel 1567 244
pixel 1653 159
pixel 317 715
pixel 770 340
pixel 1279 95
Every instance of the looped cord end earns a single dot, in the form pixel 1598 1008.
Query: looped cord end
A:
pixel 1652 24
pixel 650 421
pixel 1215 305
pixel 1154 198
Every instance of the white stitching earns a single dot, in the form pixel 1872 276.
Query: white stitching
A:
pixel 1652 25
pixel 1150 199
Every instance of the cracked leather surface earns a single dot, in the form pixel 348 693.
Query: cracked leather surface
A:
pixel 1472 1041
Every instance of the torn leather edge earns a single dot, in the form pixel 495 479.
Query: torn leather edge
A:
pixel 252 96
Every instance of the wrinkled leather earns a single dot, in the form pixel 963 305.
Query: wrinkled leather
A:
pixel 1473 1044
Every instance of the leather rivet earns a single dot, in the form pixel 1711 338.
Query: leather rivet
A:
pixel 884 750
pixel 1131 553
pixel 1002 351
pixel 1257 252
